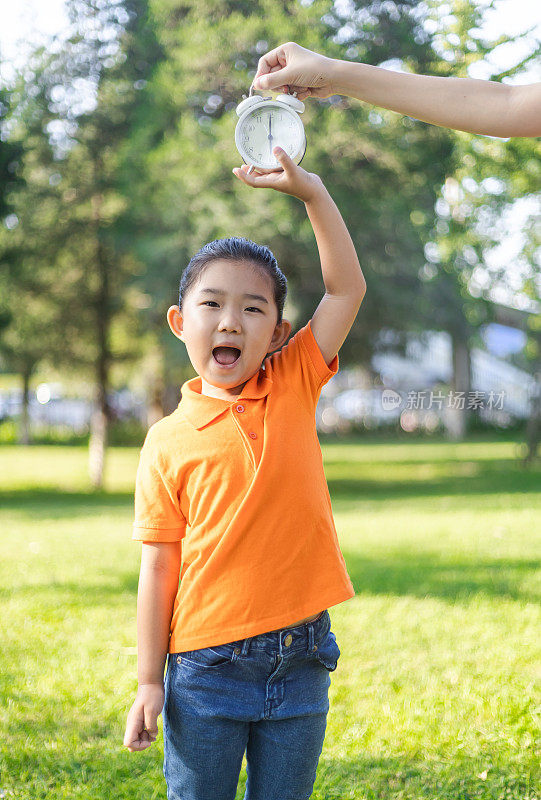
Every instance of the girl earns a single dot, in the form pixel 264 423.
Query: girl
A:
pixel 231 497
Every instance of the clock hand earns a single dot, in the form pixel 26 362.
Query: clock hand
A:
pixel 270 136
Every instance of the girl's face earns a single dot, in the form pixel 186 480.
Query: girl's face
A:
pixel 232 303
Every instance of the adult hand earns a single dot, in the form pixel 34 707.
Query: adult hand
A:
pixel 292 68
pixel 292 179
pixel 142 722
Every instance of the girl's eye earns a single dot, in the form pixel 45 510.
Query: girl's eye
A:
pixel 251 308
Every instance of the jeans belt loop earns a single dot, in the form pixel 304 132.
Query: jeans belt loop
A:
pixel 246 646
pixel 310 637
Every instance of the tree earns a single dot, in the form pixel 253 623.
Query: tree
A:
pixel 83 99
pixel 383 171
pixel 486 176
pixel 29 312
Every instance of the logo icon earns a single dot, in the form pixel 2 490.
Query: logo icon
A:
pixel 390 399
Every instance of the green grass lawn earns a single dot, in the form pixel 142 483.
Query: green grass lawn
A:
pixel 436 694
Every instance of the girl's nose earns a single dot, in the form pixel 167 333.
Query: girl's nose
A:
pixel 229 321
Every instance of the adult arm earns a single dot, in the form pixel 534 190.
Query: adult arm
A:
pixel 476 106
pixel 467 104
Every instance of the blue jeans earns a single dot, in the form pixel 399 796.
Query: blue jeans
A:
pixel 266 695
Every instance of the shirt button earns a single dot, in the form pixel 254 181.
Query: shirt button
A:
pixel 252 435
pixel 288 640
pixel 240 409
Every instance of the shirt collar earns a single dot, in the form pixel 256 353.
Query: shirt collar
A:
pixel 199 409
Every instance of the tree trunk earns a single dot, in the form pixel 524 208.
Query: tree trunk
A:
pixel 100 417
pixel 99 422
pixel 456 413
pixel 533 427
pixel 97 446
pixel 155 410
pixel 171 397
pixel 24 433
pixel 162 395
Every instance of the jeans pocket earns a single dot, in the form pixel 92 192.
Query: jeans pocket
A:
pixel 328 651
pixel 207 657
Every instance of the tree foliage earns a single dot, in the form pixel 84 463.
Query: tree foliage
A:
pixel 123 134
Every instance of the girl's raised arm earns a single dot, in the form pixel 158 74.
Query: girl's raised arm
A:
pixel 344 281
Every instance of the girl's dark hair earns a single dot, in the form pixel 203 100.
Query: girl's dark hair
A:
pixel 236 248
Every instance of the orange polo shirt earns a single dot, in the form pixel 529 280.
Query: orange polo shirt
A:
pixel 242 485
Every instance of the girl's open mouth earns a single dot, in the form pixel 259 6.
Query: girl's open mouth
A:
pixel 226 357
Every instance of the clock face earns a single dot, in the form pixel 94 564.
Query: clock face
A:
pixel 268 126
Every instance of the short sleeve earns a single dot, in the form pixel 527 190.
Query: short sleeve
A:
pixel 158 517
pixel 300 363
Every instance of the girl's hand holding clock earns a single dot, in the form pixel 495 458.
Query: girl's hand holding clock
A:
pixel 292 179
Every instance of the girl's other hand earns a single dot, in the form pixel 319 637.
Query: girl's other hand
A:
pixel 292 179
pixel 292 68
pixel 142 722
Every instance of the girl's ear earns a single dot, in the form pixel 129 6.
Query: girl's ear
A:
pixel 280 335
pixel 174 318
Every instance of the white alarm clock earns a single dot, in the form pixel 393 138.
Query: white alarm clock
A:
pixel 265 123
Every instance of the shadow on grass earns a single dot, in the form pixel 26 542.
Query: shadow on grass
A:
pixel 74 595
pixel 59 503
pixel 500 477
pixel 407 572
pixel 492 477
pixel 400 573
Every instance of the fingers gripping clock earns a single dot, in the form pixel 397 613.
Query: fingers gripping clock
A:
pixel 265 123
